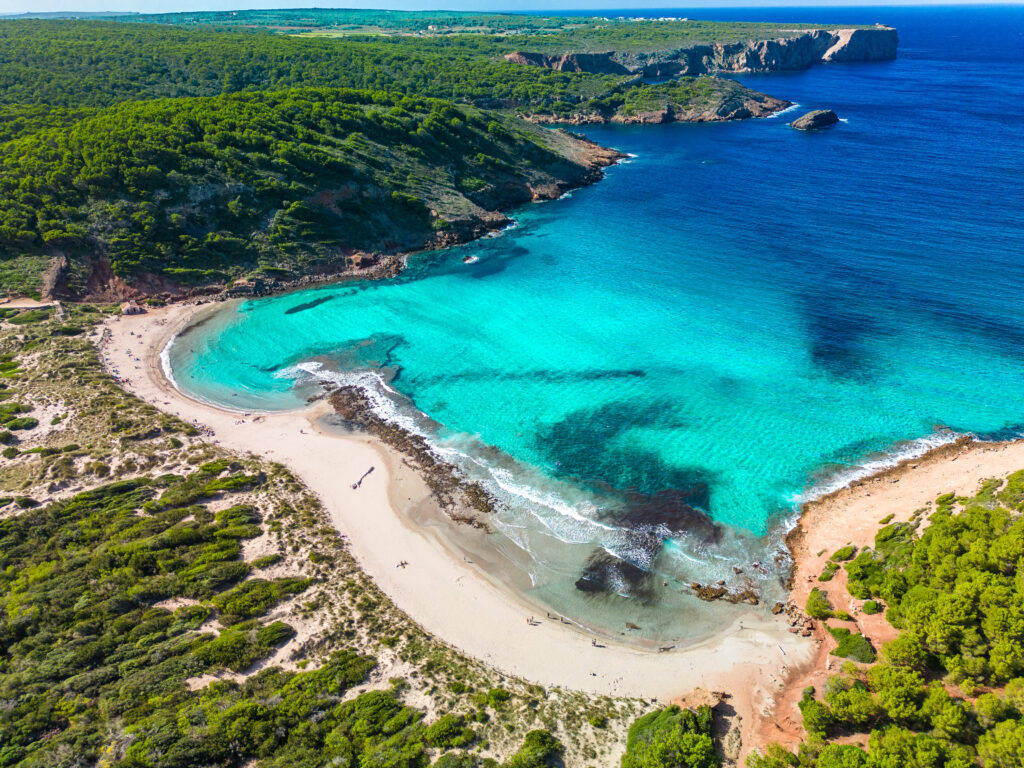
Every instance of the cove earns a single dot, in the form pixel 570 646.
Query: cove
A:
pixel 739 317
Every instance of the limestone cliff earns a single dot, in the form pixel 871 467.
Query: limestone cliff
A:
pixel 796 52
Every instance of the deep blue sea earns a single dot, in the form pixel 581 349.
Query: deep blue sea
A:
pixel 739 317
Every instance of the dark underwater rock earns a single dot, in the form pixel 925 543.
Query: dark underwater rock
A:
pixel 604 573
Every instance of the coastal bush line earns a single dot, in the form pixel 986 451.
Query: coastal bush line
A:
pixel 949 690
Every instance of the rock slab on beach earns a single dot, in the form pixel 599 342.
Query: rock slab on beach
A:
pixel 819 118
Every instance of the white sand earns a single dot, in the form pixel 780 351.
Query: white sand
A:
pixel 448 597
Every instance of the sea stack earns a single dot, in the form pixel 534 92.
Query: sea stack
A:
pixel 819 118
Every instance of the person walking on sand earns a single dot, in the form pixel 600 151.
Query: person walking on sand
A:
pixel 359 482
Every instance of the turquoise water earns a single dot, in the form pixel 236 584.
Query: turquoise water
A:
pixel 738 317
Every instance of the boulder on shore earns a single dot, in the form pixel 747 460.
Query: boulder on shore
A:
pixel 819 118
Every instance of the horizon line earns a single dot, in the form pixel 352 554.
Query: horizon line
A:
pixel 817 4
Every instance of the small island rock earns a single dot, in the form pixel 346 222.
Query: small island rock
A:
pixel 819 118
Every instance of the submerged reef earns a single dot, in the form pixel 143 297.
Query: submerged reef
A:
pixel 464 501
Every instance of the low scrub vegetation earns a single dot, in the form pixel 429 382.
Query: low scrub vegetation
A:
pixel 949 690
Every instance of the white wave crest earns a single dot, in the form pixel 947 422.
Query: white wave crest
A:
pixel 782 112
pixel 383 399
pixel 914 449
pixel 507 228
pixel 165 362
pixel 504 480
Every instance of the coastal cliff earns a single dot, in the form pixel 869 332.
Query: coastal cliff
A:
pixel 782 53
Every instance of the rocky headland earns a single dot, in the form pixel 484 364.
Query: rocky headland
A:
pixel 799 51
pixel 560 161
pixel 686 100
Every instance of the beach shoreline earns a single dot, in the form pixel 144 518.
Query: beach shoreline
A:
pixel 759 660
pixel 449 597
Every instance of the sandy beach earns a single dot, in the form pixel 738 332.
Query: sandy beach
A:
pixel 447 596
pixel 758 660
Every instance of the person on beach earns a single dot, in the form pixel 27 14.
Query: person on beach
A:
pixel 359 482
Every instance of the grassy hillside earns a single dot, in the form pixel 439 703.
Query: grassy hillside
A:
pixel 200 190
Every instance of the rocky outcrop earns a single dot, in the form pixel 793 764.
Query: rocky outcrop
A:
pixel 734 102
pixel 598 63
pixel 819 118
pixel 799 51
pixel 727 100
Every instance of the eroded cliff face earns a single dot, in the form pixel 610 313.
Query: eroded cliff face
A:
pixel 797 52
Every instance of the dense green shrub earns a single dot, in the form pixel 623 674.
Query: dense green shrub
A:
pixel 828 572
pixel 852 645
pixel 24 422
pixel 241 646
pixel 464 760
pixel 818 605
pixel 845 553
pixel 255 597
pixel 671 737
pixel 816 716
pixel 540 750
pixel 266 561
pixel 496 697
pixel 449 732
